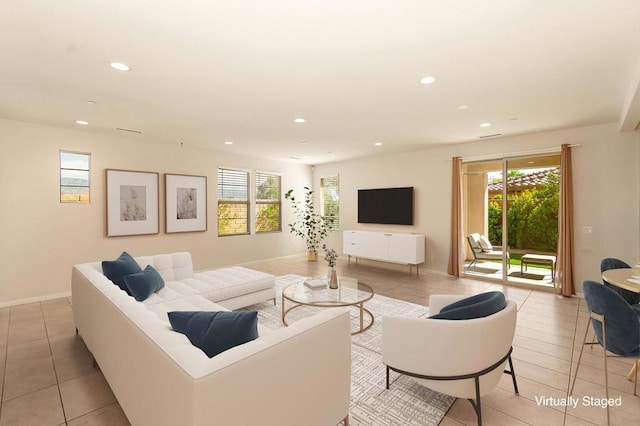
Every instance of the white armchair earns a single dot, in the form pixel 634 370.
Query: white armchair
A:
pixel 461 358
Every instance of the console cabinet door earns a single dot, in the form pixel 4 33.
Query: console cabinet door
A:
pixel 352 243
pixel 386 246
pixel 406 248
pixel 375 245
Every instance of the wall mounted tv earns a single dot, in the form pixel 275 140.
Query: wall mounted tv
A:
pixel 386 205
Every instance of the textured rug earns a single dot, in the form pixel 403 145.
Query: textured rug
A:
pixel 406 402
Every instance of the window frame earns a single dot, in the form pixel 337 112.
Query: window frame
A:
pixel 246 201
pixel 277 202
pixel 63 186
pixel 332 225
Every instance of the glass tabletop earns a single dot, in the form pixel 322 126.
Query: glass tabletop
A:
pixel 349 292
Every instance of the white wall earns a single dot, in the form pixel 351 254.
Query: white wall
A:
pixel 606 191
pixel 42 238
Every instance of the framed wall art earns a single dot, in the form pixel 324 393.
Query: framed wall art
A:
pixel 186 203
pixel 132 202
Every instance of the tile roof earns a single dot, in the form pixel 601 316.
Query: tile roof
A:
pixel 520 183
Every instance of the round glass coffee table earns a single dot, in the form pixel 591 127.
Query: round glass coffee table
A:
pixel 349 293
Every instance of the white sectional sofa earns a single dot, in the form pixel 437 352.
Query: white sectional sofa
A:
pixel 291 376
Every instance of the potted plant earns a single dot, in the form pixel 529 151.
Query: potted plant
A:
pixel 308 225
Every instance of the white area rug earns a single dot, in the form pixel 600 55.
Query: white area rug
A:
pixel 406 402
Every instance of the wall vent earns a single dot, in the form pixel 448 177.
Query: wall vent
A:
pixel 128 130
pixel 490 136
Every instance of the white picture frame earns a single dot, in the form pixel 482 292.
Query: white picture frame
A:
pixel 185 203
pixel 132 202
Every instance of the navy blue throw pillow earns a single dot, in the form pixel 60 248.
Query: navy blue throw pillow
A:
pixel 117 269
pixel 478 306
pixel 215 332
pixel 144 284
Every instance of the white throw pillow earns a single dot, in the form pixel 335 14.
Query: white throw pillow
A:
pixel 485 244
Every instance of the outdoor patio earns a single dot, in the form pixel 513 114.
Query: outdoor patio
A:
pixel 532 275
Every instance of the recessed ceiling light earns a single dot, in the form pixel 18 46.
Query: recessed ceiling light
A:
pixel 303 143
pixel 427 80
pixel 378 144
pixel 91 102
pixel 485 125
pixel 228 142
pixel 119 66
pixel 299 120
pixel 461 107
pixel 82 122
pixel 513 119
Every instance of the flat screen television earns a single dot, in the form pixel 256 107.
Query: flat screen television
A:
pixel 392 206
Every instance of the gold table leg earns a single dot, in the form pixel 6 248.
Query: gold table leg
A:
pixel 632 373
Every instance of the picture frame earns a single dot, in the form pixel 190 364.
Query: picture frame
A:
pixel 132 202
pixel 185 203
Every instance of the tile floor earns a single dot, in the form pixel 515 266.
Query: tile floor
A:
pixel 48 377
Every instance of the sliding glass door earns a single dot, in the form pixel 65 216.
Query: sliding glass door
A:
pixel 510 218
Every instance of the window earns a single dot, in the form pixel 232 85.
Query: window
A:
pixel 330 201
pixel 74 177
pixel 233 202
pixel 268 194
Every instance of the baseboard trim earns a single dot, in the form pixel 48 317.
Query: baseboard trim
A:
pixel 34 299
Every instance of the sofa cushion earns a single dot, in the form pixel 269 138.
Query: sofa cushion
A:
pixel 215 332
pixel 478 306
pixel 485 244
pixel 143 284
pixel 117 269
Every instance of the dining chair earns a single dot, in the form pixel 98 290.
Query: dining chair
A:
pixel 616 325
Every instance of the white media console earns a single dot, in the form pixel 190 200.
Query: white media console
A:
pixel 407 249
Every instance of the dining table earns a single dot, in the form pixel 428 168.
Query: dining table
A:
pixel 629 279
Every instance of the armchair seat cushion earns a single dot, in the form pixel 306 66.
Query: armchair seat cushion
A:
pixel 477 306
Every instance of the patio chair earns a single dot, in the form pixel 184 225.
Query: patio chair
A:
pixel 482 249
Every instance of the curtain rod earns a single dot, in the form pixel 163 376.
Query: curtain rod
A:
pixel 501 156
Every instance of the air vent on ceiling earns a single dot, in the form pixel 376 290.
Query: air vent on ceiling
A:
pixel 490 136
pixel 128 130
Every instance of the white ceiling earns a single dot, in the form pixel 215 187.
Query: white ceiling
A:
pixel 204 72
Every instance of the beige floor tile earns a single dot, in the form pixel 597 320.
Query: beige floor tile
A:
pixel 540 374
pixel 18 355
pixel 40 408
pixel 449 421
pixel 28 377
pixel 85 394
pixel 523 408
pixel 543 347
pixel 548 361
pixel 71 357
pixel 111 415
pixel 463 412
pixel 60 326
pixel 26 331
